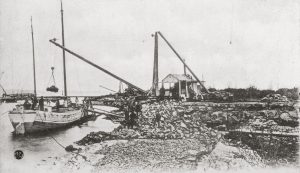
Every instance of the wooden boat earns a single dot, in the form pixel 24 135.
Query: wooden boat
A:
pixel 28 121
pixel 27 118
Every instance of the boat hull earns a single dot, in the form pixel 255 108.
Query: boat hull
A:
pixel 37 121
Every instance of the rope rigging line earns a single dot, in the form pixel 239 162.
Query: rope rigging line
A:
pixel 61 145
pixel 52 53
pixel 52 68
pixel 49 81
pixel 51 77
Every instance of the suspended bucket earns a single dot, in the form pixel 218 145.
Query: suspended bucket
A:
pixel 52 89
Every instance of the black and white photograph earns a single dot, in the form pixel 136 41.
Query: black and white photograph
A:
pixel 130 86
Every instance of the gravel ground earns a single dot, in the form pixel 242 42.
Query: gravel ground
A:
pixel 181 143
pixel 153 155
pixel 157 155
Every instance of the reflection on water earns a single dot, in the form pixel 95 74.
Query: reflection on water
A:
pixel 37 147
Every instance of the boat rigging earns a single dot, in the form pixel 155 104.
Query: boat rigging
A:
pixel 27 118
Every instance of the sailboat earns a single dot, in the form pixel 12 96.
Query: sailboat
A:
pixel 34 118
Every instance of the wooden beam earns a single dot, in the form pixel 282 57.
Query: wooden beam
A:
pixel 182 61
pixel 96 66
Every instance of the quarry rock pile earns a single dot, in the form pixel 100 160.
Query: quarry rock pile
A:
pixel 188 137
pixel 176 123
pixel 199 120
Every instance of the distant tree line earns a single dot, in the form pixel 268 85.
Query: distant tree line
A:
pixel 252 93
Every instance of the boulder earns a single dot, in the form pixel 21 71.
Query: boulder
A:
pixel 285 116
pixel 70 148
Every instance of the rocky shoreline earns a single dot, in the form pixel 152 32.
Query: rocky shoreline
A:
pixel 188 139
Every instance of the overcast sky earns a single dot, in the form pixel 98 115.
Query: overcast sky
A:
pixel 116 34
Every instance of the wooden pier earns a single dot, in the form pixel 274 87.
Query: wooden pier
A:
pixel 95 112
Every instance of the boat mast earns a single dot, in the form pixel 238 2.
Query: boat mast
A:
pixel 33 56
pixel 63 43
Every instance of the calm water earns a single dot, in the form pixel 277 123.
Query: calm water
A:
pixel 39 147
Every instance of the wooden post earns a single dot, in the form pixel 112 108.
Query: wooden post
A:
pixel 183 61
pixel 170 91
pixel 155 67
pixel 184 68
pixel 186 90
pixel 179 89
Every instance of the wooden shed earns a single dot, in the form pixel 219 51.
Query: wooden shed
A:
pixel 180 85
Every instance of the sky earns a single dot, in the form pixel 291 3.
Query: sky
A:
pixel 231 43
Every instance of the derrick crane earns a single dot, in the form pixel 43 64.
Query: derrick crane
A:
pixel 182 60
pixel 96 66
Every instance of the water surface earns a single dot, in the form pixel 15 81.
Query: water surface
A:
pixel 38 147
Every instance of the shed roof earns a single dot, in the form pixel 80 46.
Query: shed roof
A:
pixel 177 77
